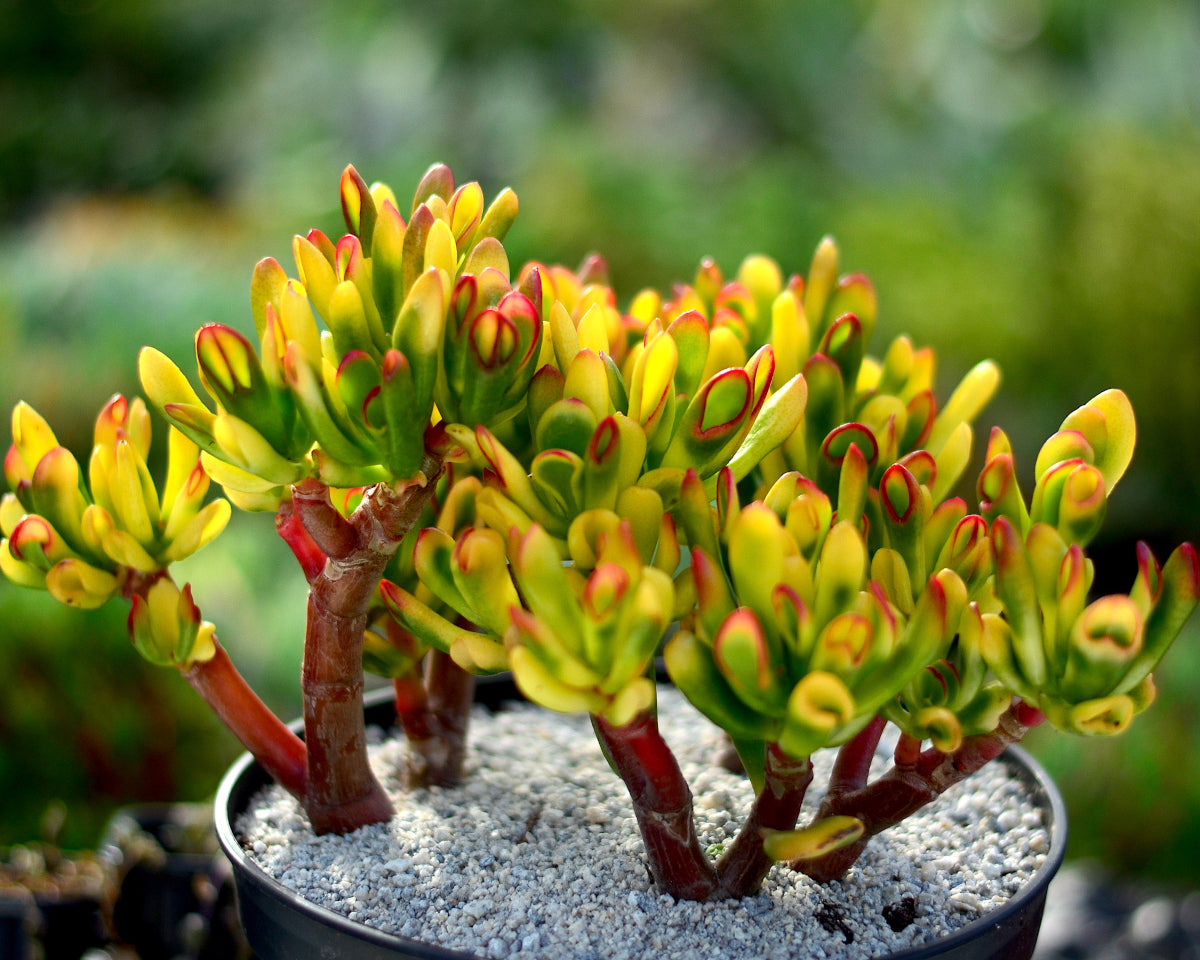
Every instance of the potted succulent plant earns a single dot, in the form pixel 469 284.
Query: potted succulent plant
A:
pixel 482 470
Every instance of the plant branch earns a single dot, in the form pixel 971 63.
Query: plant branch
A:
pixel 343 793
pixel 744 865
pixel 290 528
pixel 435 713
pixel 332 533
pixel 910 785
pixel 412 704
pixel 853 763
pixel 279 751
pixel 662 803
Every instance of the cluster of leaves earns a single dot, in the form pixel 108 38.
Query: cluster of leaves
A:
pixel 728 458
pixel 87 540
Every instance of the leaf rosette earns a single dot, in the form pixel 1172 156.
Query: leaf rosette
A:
pixel 86 538
pixel 397 325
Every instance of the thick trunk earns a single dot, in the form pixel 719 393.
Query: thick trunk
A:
pixel 342 792
pixel 662 803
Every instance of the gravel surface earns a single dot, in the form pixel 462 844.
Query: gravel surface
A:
pixel 538 855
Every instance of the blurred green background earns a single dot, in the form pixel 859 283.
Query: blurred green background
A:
pixel 1020 178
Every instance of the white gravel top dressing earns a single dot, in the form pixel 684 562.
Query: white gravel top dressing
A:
pixel 538 855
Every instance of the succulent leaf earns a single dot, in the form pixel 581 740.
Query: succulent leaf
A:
pixel 358 206
pixel 841 572
pixel 818 706
pixel 1017 591
pixel 843 344
pixel 822 837
pixel 56 493
pixel 76 583
pixel 545 686
pixel 244 447
pixel 692 669
pixel 21 573
pixel 482 654
pixel 690 332
pixel 780 415
pixel 499 216
pixel 967 401
pixel 205 525
pixel 1104 641
pixel 1177 598
pixel 743 655
pixel 479 569
pixel 822 277
pixel 1107 424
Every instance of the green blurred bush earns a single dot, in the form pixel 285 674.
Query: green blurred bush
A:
pixel 1133 801
pixel 84 721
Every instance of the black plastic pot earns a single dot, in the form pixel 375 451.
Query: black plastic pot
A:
pixel 70 926
pixel 167 857
pixel 51 925
pixel 281 925
pixel 15 922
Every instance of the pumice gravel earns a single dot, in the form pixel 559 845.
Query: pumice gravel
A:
pixel 537 855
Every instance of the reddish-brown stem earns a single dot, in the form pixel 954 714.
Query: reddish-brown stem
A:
pixel 451 693
pixel 279 751
pixel 412 705
pixel 662 803
pixel 909 786
pixel 853 763
pixel 745 864
pixel 435 713
pixel 342 793
pixel 332 533
pixel 908 750
pixel 310 556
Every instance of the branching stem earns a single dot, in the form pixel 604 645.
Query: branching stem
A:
pixel 342 792
pixel 662 803
pixel 280 752
pixel 912 781
pixel 744 865
pixel 310 556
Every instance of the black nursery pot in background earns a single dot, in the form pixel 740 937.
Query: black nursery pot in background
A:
pixel 62 927
pixel 53 908
pixel 14 923
pixel 281 925
pixel 168 876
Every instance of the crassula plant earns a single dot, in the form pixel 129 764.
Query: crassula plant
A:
pixel 482 469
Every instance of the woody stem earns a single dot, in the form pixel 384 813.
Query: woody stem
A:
pixel 435 712
pixel 910 785
pixel 279 751
pixel 342 792
pixel 662 803
pixel 745 864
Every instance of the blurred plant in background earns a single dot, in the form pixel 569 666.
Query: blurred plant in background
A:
pixel 1028 168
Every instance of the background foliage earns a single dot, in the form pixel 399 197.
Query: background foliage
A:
pixel 1020 178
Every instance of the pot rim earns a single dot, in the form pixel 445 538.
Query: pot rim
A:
pixel 245 777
